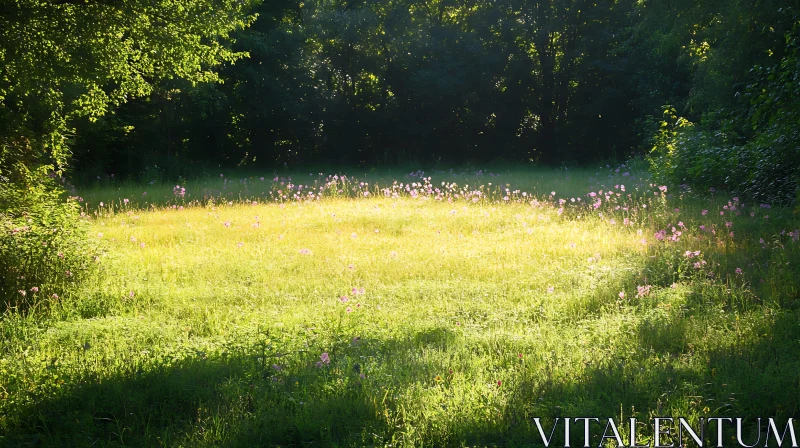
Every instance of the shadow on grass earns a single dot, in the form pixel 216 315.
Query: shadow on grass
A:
pixel 244 400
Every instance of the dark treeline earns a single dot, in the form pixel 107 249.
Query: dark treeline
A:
pixel 369 82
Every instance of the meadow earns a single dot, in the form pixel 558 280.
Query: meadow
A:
pixel 405 309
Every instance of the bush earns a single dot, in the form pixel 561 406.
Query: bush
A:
pixel 754 154
pixel 43 246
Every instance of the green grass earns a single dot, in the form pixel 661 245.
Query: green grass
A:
pixel 475 317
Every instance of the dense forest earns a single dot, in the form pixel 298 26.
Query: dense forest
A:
pixel 707 89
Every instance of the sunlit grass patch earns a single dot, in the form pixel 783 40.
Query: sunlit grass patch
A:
pixel 407 320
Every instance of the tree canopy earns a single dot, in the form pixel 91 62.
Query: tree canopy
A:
pixel 137 84
pixel 61 60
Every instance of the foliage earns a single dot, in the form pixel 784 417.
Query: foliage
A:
pixel 69 59
pixel 381 83
pixel 746 142
pixel 44 249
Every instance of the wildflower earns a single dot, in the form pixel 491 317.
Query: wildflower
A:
pixel 353 235
pixel 304 251
pixel 351 267
pixel 393 254
pixel 642 291
pixel 55 296
pixel 729 224
pixel 239 244
pixel 349 310
pixel 125 201
pixel 22 292
pixel 499 383
pixel 739 271
pixel 357 291
pixel 704 212
pixel 133 239
pixel 131 294
pixel 35 289
pixel 275 366
pixel 324 358
pixel 621 294
pixel 101 204
pixel 550 290
pixel 141 245
pixel 226 224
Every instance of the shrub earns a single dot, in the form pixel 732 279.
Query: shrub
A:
pixel 754 154
pixel 43 245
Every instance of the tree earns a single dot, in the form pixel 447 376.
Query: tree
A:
pixel 69 58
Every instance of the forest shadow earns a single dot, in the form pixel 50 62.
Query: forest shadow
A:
pixel 234 401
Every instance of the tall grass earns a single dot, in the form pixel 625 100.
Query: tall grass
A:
pixel 225 314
